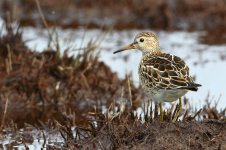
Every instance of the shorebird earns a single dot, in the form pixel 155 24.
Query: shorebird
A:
pixel 163 76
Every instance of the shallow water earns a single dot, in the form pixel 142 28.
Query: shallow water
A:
pixel 206 62
pixel 32 139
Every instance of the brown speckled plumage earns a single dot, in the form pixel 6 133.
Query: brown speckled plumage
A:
pixel 164 76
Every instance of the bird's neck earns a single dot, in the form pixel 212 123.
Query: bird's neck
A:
pixel 152 51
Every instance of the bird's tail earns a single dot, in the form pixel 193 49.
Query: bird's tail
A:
pixel 192 87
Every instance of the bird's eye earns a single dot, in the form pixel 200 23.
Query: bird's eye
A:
pixel 141 40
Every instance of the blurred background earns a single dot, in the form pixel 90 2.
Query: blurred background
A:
pixel 120 14
pixel 53 65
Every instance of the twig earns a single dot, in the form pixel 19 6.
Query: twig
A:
pixel 101 145
pixel 185 115
pixel 9 58
pixel 41 14
pixel 4 114
pixel 195 115
pixel 44 138
pixel 129 88
pixel 174 117
pixel 44 20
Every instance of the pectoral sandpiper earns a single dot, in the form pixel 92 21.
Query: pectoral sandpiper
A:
pixel 164 76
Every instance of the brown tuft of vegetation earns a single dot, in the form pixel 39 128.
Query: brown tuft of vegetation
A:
pixel 132 134
pixel 29 79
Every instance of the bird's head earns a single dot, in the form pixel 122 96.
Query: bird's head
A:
pixel 146 42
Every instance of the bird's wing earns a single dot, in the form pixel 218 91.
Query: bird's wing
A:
pixel 167 71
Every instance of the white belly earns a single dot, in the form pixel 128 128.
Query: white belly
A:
pixel 164 95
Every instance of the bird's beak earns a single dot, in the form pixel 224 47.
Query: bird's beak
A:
pixel 127 47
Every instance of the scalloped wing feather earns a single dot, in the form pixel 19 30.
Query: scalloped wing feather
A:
pixel 166 71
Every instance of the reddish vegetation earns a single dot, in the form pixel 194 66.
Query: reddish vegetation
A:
pixel 30 79
pixel 155 135
pixel 214 37
pixel 123 14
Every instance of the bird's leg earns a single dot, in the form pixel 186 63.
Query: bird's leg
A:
pixel 156 110
pixel 148 115
pixel 151 111
pixel 180 105
pixel 161 112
